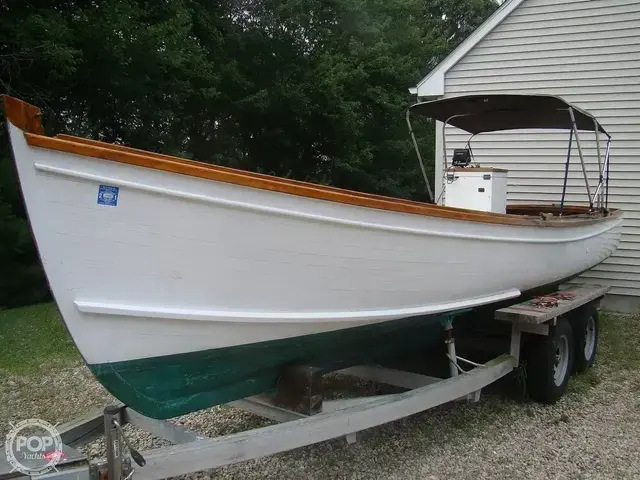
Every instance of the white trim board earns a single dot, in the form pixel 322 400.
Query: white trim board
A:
pixel 433 84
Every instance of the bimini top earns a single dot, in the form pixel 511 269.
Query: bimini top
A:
pixel 489 113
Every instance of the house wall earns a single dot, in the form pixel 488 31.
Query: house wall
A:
pixel 588 52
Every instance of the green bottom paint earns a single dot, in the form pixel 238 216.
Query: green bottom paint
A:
pixel 172 385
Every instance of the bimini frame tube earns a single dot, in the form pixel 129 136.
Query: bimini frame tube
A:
pixel 603 184
pixel 607 162
pixel 444 146
pixel 598 199
pixel 415 145
pixel 566 171
pixel 584 168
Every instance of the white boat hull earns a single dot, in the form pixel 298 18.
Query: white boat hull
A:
pixel 182 264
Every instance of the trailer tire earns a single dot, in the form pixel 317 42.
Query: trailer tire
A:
pixel 585 326
pixel 549 362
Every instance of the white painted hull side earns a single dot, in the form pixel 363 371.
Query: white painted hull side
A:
pixel 185 264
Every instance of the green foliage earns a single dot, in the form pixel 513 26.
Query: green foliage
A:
pixel 22 279
pixel 314 90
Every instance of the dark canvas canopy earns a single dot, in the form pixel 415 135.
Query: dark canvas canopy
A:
pixel 488 113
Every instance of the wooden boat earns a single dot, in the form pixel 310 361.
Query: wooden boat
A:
pixel 186 285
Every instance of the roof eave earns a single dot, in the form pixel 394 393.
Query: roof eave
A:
pixel 432 85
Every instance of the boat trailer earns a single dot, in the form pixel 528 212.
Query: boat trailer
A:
pixel 561 332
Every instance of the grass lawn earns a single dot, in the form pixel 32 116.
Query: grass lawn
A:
pixel 618 352
pixel 34 338
pixel 620 341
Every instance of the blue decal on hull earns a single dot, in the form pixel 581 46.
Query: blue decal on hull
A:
pixel 108 195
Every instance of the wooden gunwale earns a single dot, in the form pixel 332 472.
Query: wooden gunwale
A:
pixel 185 161
pixel 524 210
pixel 27 118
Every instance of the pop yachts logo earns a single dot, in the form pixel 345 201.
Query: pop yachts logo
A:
pixel 33 446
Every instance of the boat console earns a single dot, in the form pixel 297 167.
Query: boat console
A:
pixel 476 188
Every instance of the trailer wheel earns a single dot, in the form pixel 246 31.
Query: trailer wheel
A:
pixel 549 363
pixel 585 324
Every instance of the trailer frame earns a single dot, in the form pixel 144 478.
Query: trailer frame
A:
pixel 192 452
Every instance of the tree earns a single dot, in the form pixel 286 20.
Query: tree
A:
pixel 314 90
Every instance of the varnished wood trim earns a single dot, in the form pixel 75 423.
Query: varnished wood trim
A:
pixel 554 209
pixel 520 210
pixel 27 117
pixel 23 115
pixel 184 161
pixel 239 177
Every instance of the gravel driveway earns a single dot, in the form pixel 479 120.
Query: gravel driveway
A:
pixel 593 432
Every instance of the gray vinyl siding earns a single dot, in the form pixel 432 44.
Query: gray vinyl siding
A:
pixel 588 52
